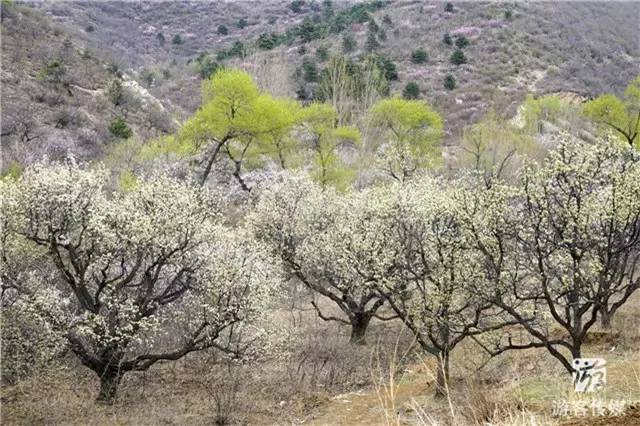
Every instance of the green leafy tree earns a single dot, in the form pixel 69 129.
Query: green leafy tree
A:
pixel 458 57
pixel 237 126
pixel 449 82
pixel 411 90
pixel 419 56
pixel 325 140
pixel 622 115
pixel 410 131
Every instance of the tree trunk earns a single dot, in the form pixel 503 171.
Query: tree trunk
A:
pixel 605 320
pixel 359 324
pixel 442 375
pixel 109 381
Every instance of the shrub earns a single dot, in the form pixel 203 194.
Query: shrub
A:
pixel 419 56
pixel 322 53
pixel 382 35
pixel 508 15
pixel 447 39
pixel 90 28
pixel 411 90
pixel 296 6
pixel 160 38
pixel 386 19
pixel 115 91
pixel 348 43
pixel 458 58
pixel 267 41
pixel 119 129
pixel 177 39
pixel 272 20
pixel 387 67
pixel 223 30
pixel 207 66
pixel 448 7
pixel 241 23
pixel 449 82
pixel 309 70
pixel 462 42
pixel 371 43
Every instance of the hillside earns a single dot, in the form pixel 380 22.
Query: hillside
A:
pixel 584 47
pixel 513 49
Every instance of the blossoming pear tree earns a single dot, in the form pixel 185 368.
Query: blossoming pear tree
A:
pixel 436 271
pixel 324 239
pixel 143 276
pixel 574 242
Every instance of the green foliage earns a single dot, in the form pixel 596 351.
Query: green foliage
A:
pixel 448 7
pixel 267 41
pixel 242 23
pixel 497 149
pixel 372 42
pixel 411 90
pixel 13 170
pixel 309 70
pixel 387 66
pixel 462 42
pixel 449 82
pixel 446 39
pixel 458 57
pixel 620 115
pixel 508 14
pixel 322 53
pixel 410 131
pixel 223 30
pixel 177 40
pixel 115 91
pixel 246 125
pixel 348 43
pixel 419 56
pixel 544 108
pixel 53 71
pixel 326 141
pixel 296 6
pixel 120 129
pixel 206 66
pixel 236 51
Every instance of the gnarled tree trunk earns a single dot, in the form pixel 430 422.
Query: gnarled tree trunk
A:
pixel 359 323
